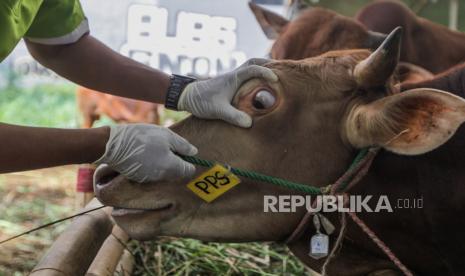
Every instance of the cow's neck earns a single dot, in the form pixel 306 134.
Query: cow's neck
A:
pixel 457 44
pixel 452 81
pixel 449 44
pixel 438 179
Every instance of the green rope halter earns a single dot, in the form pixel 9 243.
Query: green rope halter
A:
pixel 275 180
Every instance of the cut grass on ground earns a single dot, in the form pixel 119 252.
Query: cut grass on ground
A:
pixel 27 200
pixel 168 256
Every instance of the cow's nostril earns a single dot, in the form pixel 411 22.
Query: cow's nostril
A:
pixel 104 175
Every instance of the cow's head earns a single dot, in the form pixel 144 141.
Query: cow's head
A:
pixel 307 127
pixel 313 32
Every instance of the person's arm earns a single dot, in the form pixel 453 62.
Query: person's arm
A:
pixel 141 152
pixel 27 148
pixel 90 63
pixel 59 39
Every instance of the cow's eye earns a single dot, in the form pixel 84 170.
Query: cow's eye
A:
pixel 263 100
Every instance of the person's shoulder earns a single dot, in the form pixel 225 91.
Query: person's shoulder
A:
pixel 58 22
pixel 15 18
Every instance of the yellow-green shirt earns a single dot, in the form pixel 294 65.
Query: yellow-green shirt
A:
pixel 51 22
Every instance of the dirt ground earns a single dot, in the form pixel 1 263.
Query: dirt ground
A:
pixel 29 199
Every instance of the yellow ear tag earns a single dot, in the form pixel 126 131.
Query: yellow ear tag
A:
pixel 213 183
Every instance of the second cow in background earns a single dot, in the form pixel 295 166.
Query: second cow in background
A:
pixel 92 105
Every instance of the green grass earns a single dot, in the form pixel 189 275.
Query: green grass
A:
pixel 52 106
pixel 44 105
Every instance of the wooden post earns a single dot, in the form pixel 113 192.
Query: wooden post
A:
pixel 76 247
pixel 84 185
pixel 109 254
pixel 453 14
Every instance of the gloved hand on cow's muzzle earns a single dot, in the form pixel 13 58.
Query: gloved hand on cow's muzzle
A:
pixel 144 152
pixel 211 99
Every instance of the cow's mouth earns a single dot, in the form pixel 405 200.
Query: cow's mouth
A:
pixel 105 179
pixel 122 212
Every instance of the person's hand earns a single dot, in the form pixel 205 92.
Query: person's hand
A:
pixel 211 99
pixel 143 152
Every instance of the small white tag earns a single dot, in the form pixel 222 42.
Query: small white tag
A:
pixel 319 246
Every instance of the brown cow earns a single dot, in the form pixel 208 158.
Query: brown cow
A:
pixel 452 80
pixel 324 109
pixel 93 104
pixel 424 43
pixel 316 31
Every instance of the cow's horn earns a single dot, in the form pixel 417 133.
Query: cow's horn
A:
pixel 375 70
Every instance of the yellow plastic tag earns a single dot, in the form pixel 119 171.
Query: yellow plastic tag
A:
pixel 213 183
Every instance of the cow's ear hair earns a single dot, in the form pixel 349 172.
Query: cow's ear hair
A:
pixel 374 40
pixel 412 122
pixel 272 24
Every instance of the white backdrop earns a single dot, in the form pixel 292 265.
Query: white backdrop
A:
pixel 201 38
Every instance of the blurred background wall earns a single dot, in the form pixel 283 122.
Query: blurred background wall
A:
pixel 168 43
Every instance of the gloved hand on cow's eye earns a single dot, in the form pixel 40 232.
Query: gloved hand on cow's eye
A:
pixel 211 99
pixel 143 152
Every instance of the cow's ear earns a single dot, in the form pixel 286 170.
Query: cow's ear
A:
pixel 413 122
pixel 272 24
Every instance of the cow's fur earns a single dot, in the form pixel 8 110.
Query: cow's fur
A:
pixel 314 32
pixel 424 43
